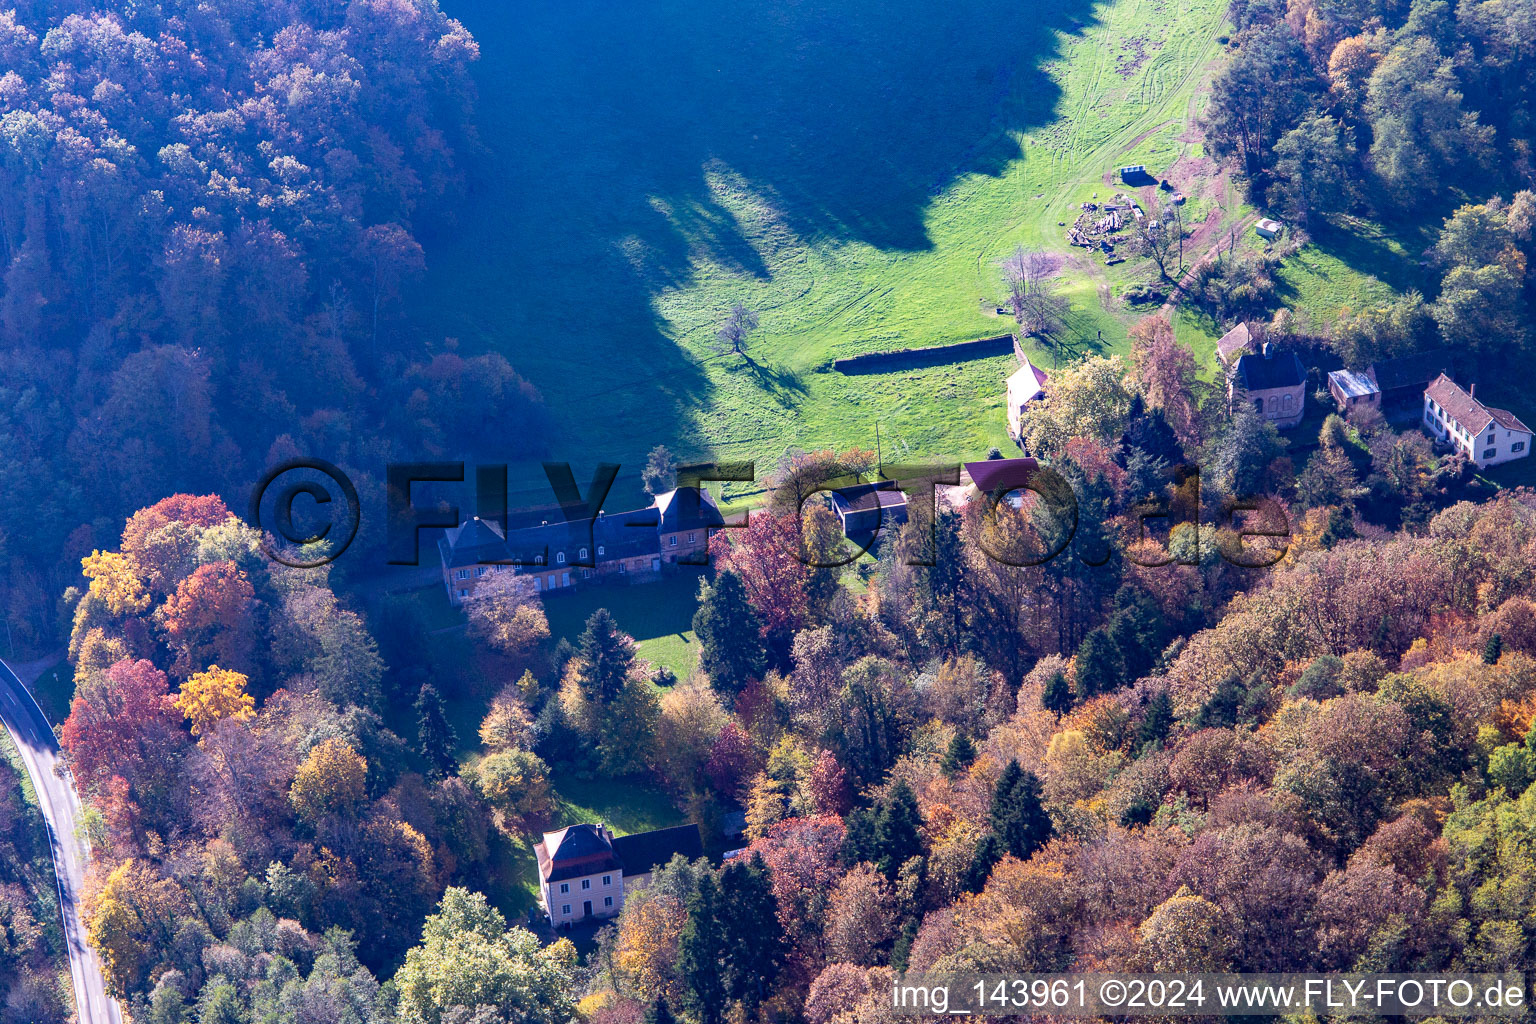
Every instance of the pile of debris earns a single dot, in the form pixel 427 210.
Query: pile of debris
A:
pixel 1097 222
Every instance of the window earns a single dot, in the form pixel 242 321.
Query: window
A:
pixel 565 908
pixel 560 557
pixel 1489 453
pixel 1518 446
pixel 463 593
pixel 565 887
pixel 690 536
pixel 673 539
pixel 1285 403
pixel 565 579
pixel 479 571
pixel 538 583
pixel 607 901
pixel 551 583
pixel 583 553
pixel 621 567
pixel 586 883
pixel 463 574
pixel 607 880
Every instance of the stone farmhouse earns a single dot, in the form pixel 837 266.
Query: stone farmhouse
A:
pixel 585 871
pixel 1485 435
pixel 1275 382
pixel 632 546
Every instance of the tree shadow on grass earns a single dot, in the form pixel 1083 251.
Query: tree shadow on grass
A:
pixel 624 141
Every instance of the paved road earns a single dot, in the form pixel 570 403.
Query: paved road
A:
pixel 61 809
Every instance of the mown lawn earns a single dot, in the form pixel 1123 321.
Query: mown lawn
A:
pixel 659 615
pixel 853 172
pixel 1348 267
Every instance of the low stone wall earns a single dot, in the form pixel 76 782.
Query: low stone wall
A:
pixel 935 355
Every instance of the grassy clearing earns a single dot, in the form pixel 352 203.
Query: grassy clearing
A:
pixel 658 615
pixel 854 173
pixel 1349 266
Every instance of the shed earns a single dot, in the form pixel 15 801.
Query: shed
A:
pixel 1353 390
pixel 865 508
pixel 1270 229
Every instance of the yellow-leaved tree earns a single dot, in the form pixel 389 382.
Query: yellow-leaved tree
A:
pixel 330 781
pixel 212 696
pixel 132 920
pixel 115 581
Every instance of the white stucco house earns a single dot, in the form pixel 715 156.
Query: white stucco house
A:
pixel 1487 436
pixel 584 870
pixel 1025 385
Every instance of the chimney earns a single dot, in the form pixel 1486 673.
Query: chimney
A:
pixel 1472 390
pixel 1268 350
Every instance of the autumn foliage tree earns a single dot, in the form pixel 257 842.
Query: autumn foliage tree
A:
pixel 207 619
pixel 126 726
pixel 215 695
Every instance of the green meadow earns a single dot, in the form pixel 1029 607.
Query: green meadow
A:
pixel 853 172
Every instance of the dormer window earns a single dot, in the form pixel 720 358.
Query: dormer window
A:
pixel 583 552
pixel 600 549
pixel 560 557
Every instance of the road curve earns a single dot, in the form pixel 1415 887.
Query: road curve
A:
pixel 61 810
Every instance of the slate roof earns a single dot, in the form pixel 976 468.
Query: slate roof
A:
pixel 1237 340
pixel 643 852
pixel 868 497
pixel 475 542
pixel 620 535
pixel 1352 384
pixel 1271 370
pixel 627 534
pixel 1468 411
pixel 688 508
pixel 1416 371
pixel 575 852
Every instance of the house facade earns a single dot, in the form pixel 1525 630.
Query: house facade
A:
pixel 584 870
pixel 1275 382
pixel 633 546
pixel 1485 435
pixel 1025 385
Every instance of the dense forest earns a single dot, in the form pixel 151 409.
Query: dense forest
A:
pixel 208 219
pixel 1137 755
pixel 1168 748
pixel 1405 112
